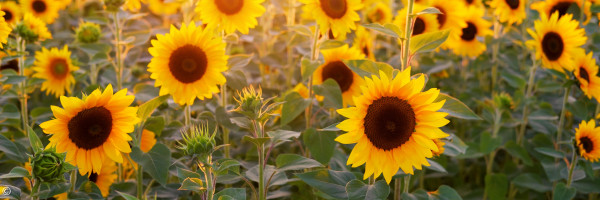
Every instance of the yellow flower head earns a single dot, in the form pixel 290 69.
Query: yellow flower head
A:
pixel 464 41
pixel 12 12
pixel 46 10
pixel 334 68
pixel 587 138
pixel 549 7
pixel 55 67
pixel 586 72
pixel 338 15
pixel 509 11
pixel 231 15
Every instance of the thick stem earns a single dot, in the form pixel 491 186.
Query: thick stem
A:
pixel 73 180
pixel 572 168
pixel 119 69
pixel 261 173
pixel 187 115
pixel 140 182
pixel 209 179
pixel 35 189
pixel 313 57
pixel 495 48
pixel 562 117
pixel 23 85
pixel 528 93
pixel 407 34
pixel 597 113
pixel 397 189
pixel 93 74
pixel 406 185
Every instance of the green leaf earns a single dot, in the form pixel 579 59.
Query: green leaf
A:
pixel 48 190
pixel 236 79
pixel 430 10
pixel 294 105
pixel 456 108
pixel 17 172
pixel 146 109
pixel 13 192
pixel 127 196
pixel 357 189
pixel 256 141
pixel 285 162
pixel 283 135
pixel 455 147
pixel 332 183
pixel 368 68
pixel 550 152
pixel 225 197
pixel 34 140
pixel 193 184
pixel 11 150
pixel 562 192
pixel 389 29
pixel 487 144
pixel 156 162
pixel 93 49
pixel 182 174
pixel 155 124
pixel 445 192
pixel 533 182
pixel 435 166
pixel 331 44
pixel 427 42
pixel 322 144
pixel 301 29
pixel 239 61
pixel 308 67
pixel 228 164
pixel 233 193
pixel 518 151
pixel 332 127
pixel 15 79
pixel 496 186
pixel 331 92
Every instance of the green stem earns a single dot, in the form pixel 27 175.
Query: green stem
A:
pixel 313 57
pixel 597 111
pixel 93 74
pixel 495 48
pixel 73 180
pixel 35 189
pixel 119 69
pixel 261 173
pixel 572 168
pixel 528 93
pixel 187 115
pixel 209 179
pixel 140 181
pixel 562 117
pixel 407 34
pixel 397 189
pixel 23 85
pixel 406 185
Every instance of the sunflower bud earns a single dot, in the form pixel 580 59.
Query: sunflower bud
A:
pixel 198 142
pixel 88 33
pixel 504 101
pixel 49 166
pixel 113 5
pixel 250 102
pixel 26 33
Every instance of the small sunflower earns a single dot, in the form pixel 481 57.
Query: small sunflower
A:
pixel 55 67
pixel 452 13
pixel 587 138
pixel 586 72
pixel 509 11
pixel 46 10
pixel 12 12
pixel 556 40
pixel 423 23
pixel 463 41
pixel 148 140
pixel 363 40
pixel 379 13
pixel 335 69
pixel 105 177
pixel 4 30
pixel 549 7
pixel 188 63
pixel 231 15
pixel 36 28
pixel 93 128
pixel 162 7
pixel 393 125
pixel 338 15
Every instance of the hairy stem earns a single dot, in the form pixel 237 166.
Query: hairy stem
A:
pixel 562 117
pixel 407 34
pixel 23 85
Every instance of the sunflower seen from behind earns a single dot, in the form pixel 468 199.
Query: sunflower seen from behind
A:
pixel 231 15
pixel 55 67
pixel 105 177
pixel 33 29
pixel 423 23
pixel 464 41
pixel 586 71
pixel 556 40
pixel 587 139
pixel 509 11
pixel 549 7
pixel 334 68
pixel 339 16
pixel 12 12
pixel 394 125
pixel 92 129
pixel 188 63
pixel 46 10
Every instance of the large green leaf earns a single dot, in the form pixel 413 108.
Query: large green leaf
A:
pixel 496 186
pixel 11 150
pixel 16 172
pixel 193 184
pixel 487 143
pixel 533 182
pixel 331 44
pixel 550 152
pixel 387 29
pixel 428 41
pixel 357 189
pixel 127 196
pixel 34 140
pixel 456 108
pixel 308 67
pixel 234 193
pixel 320 144
pixel 285 162
pixel 562 192
pixel 367 68
pixel 445 192
pixel 156 162
pixel 519 152
pixel 331 92
pixel 332 183
pixel 294 105
pixel 146 109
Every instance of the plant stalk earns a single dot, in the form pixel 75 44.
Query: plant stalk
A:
pixel 572 168
pixel 528 93
pixel 187 115
pixel 562 117
pixel 313 57
pixel 119 69
pixel 406 185
pixel 23 85
pixel 407 34
pixel 140 181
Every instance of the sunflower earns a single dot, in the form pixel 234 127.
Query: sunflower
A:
pixel 452 12
pixel 556 40
pixel 93 128
pixel 47 10
pixel 148 140
pixel 231 15
pixel 133 5
pixel 509 11
pixel 393 125
pixel 160 7
pixel 188 63
pixel 423 23
pixel 549 7
pixel 363 41
pixel 62 4
pixel 423 2
pixel 37 27
pixel 335 69
pixel 4 30
pixel 55 67
pixel 463 41
pixel 105 178
pixel 587 137
pixel 440 145
pixel 473 3
pixel 379 13
pixel 12 11
pixel 338 15
pixel 586 72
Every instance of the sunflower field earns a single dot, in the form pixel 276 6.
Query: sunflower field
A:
pixel 300 99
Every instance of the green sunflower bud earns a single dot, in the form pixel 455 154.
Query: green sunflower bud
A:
pixel 49 166
pixel 198 142
pixel 26 33
pixel 504 101
pixel 88 33
pixel 250 102
pixel 113 5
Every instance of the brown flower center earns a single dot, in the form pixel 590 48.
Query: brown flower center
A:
pixel 39 6
pixel 584 74
pixel 389 122
pixel 587 144
pixel 469 2
pixel 59 68
pixel 12 64
pixel 339 72
pixel 91 127
pixel 334 8
pixel 188 63
pixel 93 177
pixel 552 46
pixel 469 33
pixel 441 17
pixel 366 51
pixel 230 7
pixel 561 7
pixel 7 15
pixel 513 4
pixel 419 26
